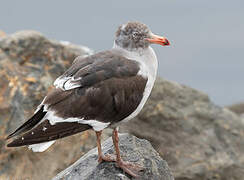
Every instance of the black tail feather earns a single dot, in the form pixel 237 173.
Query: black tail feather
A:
pixel 36 118
pixel 45 132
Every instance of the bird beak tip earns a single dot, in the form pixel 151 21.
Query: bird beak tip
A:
pixel 159 40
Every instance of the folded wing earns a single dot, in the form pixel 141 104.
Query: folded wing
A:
pixel 94 92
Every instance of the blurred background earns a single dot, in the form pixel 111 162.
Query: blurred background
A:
pixel 198 139
pixel 207 36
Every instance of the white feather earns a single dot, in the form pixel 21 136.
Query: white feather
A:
pixel 41 146
pixel 96 125
pixel 67 83
pixel 59 82
pixel 72 83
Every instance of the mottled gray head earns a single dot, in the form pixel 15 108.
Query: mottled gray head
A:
pixel 134 35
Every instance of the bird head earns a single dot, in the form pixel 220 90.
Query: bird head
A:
pixel 134 35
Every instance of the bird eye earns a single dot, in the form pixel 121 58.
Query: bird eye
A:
pixel 135 34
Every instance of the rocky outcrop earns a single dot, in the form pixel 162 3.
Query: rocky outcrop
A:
pixel 133 149
pixel 29 63
pixel 198 139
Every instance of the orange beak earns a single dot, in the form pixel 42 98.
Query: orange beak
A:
pixel 158 40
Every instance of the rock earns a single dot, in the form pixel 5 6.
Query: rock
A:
pixel 197 138
pixel 237 108
pixel 133 149
pixel 29 63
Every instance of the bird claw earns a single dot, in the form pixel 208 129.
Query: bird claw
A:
pixel 130 168
pixel 107 157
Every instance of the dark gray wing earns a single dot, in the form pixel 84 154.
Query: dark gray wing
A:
pixel 104 87
pixel 96 68
pixel 108 89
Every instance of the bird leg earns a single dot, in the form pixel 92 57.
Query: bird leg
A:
pixel 130 168
pixel 101 156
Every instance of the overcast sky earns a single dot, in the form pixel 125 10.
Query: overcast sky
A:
pixel 207 37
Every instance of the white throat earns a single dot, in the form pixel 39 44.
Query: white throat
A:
pixel 146 57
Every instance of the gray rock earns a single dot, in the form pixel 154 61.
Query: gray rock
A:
pixel 197 138
pixel 29 63
pixel 133 149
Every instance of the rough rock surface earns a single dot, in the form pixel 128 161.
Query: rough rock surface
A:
pixel 29 63
pixel 198 139
pixel 133 149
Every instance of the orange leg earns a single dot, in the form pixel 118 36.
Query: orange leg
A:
pixel 101 156
pixel 130 168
